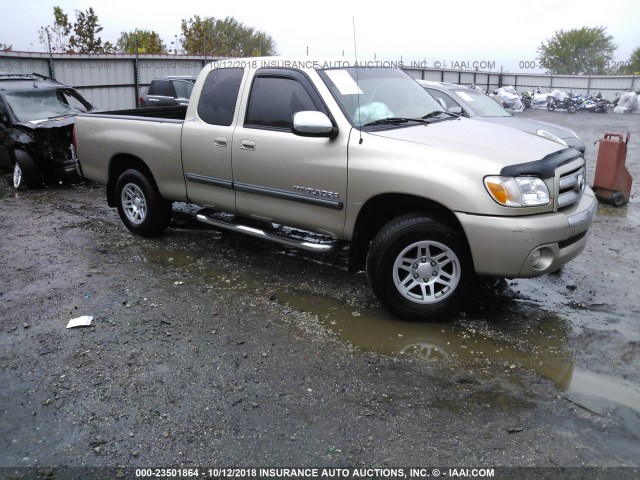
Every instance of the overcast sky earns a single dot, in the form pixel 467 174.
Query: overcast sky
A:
pixel 505 33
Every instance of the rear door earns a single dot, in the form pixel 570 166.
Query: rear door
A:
pixel 207 140
pixel 282 177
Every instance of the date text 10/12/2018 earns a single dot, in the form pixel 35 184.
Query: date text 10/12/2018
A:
pixel 338 473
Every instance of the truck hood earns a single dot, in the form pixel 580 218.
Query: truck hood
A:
pixel 47 123
pixel 496 145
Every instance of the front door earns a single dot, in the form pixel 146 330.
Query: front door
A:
pixel 282 177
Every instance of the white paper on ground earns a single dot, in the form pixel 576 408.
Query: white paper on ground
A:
pixel 83 321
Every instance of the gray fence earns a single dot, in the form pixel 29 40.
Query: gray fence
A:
pixel 609 86
pixel 108 81
pixel 116 81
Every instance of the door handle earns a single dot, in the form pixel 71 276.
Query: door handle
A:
pixel 247 145
pixel 220 141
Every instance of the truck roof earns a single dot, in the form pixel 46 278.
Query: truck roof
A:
pixel 27 81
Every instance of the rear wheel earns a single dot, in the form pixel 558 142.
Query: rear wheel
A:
pixel 551 106
pixel 141 208
pixel 571 108
pixel 420 269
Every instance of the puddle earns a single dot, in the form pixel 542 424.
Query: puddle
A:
pixel 587 385
pixel 522 335
pixel 458 347
pixel 542 350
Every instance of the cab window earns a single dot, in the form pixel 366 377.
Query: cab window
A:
pixel 274 100
pixel 219 96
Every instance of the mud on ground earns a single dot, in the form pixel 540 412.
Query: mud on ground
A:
pixel 210 349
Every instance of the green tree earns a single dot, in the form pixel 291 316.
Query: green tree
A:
pixel 146 41
pixel 56 37
pixel 78 37
pixel 634 63
pixel 226 38
pixel 86 29
pixel 578 51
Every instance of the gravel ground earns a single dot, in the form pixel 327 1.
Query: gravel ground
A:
pixel 210 349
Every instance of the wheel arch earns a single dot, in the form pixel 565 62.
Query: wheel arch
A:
pixel 120 163
pixel 381 209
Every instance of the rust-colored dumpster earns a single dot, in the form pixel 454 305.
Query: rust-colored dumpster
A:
pixel 612 183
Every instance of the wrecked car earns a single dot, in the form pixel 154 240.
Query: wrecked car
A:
pixel 37 115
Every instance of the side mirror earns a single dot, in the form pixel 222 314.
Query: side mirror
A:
pixel 455 110
pixel 313 124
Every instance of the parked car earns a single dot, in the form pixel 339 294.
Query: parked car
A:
pixel 36 128
pixel 474 104
pixel 172 90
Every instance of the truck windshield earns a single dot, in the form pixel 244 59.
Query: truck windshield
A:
pixel 368 95
pixel 32 105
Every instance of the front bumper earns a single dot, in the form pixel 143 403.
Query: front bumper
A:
pixel 504 246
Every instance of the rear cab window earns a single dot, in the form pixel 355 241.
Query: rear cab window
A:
pixel 219 96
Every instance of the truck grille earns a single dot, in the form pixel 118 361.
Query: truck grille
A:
pixel 570 241
pixel 571 186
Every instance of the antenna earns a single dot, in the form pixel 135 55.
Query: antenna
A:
pixel 355 50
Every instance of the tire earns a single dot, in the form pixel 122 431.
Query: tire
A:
pixel 571 108
pixel 25 172
pixel 140 206
pixel 420 269
pixel 551 106
pixel 617 199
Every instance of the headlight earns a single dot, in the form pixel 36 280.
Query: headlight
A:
pixel 550 136
pixel 518 191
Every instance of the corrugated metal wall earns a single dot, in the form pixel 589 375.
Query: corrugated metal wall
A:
pixel 108 81
pixel 115 81
pixel 609 86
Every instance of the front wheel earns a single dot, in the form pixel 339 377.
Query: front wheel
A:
pixel 551 106
pixel 25 172
pixel 420 269
pixel 141 208
pixel 571 108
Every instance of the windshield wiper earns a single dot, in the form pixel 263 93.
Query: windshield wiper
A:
pixel 437 113
pixel 394 121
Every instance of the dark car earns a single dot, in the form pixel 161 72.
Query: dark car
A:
pixel 37 115
pixel 473 104
pixel 168 91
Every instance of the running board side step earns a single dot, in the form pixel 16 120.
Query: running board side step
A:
pixel 273 236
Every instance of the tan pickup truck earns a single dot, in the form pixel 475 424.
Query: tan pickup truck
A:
pixel 315 154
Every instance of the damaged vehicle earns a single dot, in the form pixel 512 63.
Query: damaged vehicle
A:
pixel 37 115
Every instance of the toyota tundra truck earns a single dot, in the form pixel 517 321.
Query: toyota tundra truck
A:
pixel 316 155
